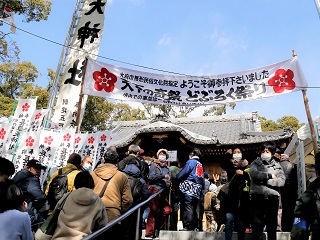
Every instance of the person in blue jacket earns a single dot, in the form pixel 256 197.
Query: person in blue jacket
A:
pixel 191 184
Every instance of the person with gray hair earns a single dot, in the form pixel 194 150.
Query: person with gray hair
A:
pixel 113 187
pixel 132 158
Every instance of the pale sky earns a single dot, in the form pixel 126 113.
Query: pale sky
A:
pixel 196 38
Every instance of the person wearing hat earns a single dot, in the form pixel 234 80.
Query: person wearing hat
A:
pixel 73 163
pixel 159 178
pixel 28 180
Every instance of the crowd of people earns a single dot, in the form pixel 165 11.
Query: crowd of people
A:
pixel 261 196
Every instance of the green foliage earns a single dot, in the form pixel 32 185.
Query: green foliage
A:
pixel 32 10
pixel 124 112
pixel 169 111
pixel 96 114
pixel 13 74
pixel 29 90
pixel 9 49
pixel 281 123
pixel 100 113
pixel 218 110
pixel 6 105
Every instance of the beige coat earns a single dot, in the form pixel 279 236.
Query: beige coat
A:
pixel 117 198
pixel 82 213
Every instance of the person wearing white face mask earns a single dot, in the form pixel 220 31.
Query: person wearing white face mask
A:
pixel 86 164
pixel 235 206
pixel 159 178
pixel 267 177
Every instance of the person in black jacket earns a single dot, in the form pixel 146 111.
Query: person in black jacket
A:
pixel 28 180
pixel 236 205
pixel 288 192
pixel 132 158
pixel 307 210
pixel 6 169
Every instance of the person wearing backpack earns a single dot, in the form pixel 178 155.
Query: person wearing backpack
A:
pixel 28 180
pixel 83 211
pixel 307 210
pixel 140 192
pixel 71 170
pixel 133 157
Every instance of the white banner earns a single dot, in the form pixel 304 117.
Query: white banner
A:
pixel 48 144
pixel 102 145
pixel 65 148
pixel 108 81
pixel 20 121
pixel 86 40
pixel 28 149
pixel 36 119
pixel 79 141
pixel 4 134
pixel 90 146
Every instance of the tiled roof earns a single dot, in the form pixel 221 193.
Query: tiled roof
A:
pixel 227 129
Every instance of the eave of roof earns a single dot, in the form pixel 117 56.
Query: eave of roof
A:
pixel 227 129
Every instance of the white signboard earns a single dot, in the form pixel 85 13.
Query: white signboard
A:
pixel 172 156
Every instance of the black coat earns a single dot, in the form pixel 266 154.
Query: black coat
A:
pixel 238 199
pixel 34 196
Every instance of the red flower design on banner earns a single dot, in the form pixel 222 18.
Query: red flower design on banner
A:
pixel 105 80
pixel 29 141
pixel 25 107
pixel 282 80
pixel 2 133
pixel 103 138
pixel 67 137
pixel 90 140
pixel 199 170
pixel 38 116
pixel 48 140
pixel 77 140
pixel 111 138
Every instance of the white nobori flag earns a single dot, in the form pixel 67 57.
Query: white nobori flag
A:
pixel 86 40
pixel 20 122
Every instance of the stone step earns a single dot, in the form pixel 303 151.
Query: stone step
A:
pixel 190 235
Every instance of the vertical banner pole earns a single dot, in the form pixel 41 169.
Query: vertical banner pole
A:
pixel 311 125
pixel 78 122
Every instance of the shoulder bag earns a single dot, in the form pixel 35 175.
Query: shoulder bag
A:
pixel 48 227
pixel 224 190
